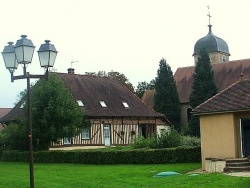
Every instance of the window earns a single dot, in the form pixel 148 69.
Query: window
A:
pixel 67 141
pixel 102 103
pixel 125 104
pixel 223 59
pixel 79 102
pixel 85 133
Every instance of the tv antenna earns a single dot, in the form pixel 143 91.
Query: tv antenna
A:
pixel 73 62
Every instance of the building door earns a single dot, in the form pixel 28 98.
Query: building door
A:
pixel 147 130
pixel 143 130
pixel 245 136
pixel 106 135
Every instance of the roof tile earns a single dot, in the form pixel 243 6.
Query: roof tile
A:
pixel 235 97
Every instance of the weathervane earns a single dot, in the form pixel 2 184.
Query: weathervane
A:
pixel 208 14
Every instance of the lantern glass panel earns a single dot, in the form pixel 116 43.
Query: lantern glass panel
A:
pixel 24 54
pixel 10 60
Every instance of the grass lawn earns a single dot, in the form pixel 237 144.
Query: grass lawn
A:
pixel 77 175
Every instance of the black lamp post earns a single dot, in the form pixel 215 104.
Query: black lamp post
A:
pixel 22 53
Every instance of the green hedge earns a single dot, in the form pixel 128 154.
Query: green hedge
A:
pixel 139 156
pixel 1 153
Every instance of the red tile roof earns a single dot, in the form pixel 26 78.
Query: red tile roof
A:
pixel 4 111
pixel 234 98
pixel 148 98
pixel 225 74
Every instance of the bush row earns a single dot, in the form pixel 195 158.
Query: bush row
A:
pixel 139 156
pixel 167 139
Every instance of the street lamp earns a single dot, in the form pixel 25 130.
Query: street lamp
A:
pixel 22 53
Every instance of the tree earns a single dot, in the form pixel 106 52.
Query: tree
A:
pixel 166 99
pixel 14 137
pixel 203 88
pixel 55 113
pixel 116 75
pixel 144 86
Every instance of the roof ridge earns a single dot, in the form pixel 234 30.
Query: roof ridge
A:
pixel 240 80
pixel 217 64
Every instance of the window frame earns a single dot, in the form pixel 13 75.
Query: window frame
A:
pixel 80 103
pixel 103 104
pixel 68 142
pixel 83 134
pixel 125 104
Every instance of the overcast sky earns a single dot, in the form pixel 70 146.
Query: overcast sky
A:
pixel 128 36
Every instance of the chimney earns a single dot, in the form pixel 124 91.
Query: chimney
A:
pixel 71 71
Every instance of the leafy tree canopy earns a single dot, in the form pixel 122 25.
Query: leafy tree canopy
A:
pixel 55 115
pixel 144 86
pixel 14 136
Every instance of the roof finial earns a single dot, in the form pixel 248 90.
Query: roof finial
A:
pixel 209 17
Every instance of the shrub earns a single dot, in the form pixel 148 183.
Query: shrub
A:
pixel 14 137
pixel 1 152
pixel 169 139
pixel 139 142
pixel 190 141
pixel 15 156
pixel 134 156
pixel 152 142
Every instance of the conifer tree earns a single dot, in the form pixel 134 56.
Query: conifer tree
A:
pixel 203 88
pixel 166 99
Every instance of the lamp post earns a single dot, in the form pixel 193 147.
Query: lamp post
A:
pixel 22 53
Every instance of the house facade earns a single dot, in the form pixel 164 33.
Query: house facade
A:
pixel 225 123
pixel 117 115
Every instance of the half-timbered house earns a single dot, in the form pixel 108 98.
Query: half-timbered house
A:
pixel 116 114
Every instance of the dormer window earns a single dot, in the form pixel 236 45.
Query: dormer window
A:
pixel 125 104
pixel 80 103
pixel 102 103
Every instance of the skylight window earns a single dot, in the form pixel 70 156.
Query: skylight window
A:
pixel 102 103
pixel 79 102
pixel 125 104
